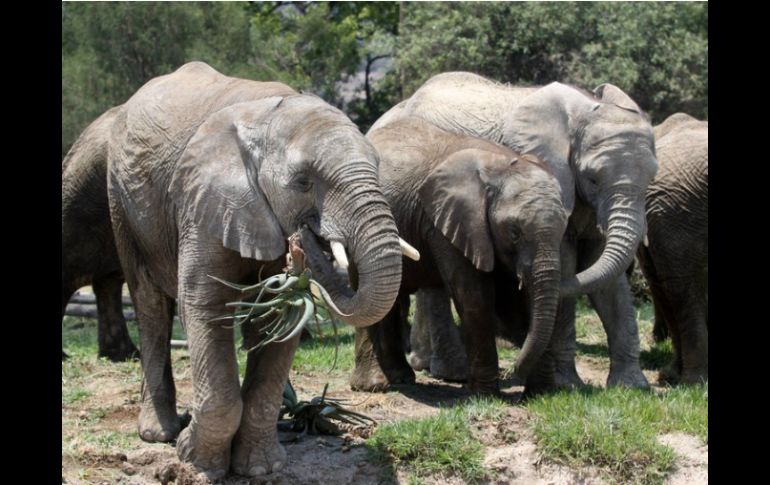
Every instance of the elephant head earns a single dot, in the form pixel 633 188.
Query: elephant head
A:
pixel 257 171
pixel 497 207
pixel 601 146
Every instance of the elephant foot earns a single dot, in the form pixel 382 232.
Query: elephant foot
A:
pixel 567 377
pixel 374 379
pixel 484 386
pixel 538 389
pixel 695 376
pixel 123 353
pixel 417 361
pixel 449 370
pixel 669 375
pixel 254 457
pixel 368 379
pixel 212 462
pixel 158 423
pixel 627 376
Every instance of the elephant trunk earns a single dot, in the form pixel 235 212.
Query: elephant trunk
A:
pixel 544 297
pixel 376 256
pixel 625 229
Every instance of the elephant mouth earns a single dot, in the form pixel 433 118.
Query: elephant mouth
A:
pixel 321 258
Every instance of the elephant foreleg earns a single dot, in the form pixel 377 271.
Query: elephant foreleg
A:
pixel 379 350
pixel 419 335
pixel 448 359
pixel 217 405
pixel 614 305
pixel 564 336
pixel 474 295
pixel 256 449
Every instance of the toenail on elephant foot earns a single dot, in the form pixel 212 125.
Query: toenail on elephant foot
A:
pixel 256 459
pixel 213 465
pixel 155 430
pixel 418 362
pixel 568 378
pixel 369 381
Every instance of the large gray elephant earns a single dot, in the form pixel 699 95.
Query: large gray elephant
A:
pixel 485 221
pixel 208 175
pixel 601 149
pixel 89 256
pixel 675 258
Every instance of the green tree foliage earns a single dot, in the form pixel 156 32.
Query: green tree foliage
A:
pixel 316 46
pixel 111 49
pixel 656 51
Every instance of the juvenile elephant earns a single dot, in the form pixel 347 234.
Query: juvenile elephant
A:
pixel 601 149
pixel 485 221
pixel 208 175
pixel 675 259
pixel 88 249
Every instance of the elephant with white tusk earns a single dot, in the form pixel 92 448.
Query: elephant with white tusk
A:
pixel 209 175
pixel 600 147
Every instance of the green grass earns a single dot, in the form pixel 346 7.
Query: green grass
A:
pixel 317 355
pixel 442 444
pixel 617 429
pixel 75 394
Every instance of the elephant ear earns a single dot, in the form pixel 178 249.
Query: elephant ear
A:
pixel 540 125
pixel 609 93
pixel 454 197
pixel 215 181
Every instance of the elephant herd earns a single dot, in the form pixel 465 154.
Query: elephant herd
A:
pixel 517 199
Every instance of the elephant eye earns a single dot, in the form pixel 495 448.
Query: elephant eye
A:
pixel 300 183
pixel 515 234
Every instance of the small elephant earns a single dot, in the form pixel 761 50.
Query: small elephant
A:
pixel 601 149
pixel 89 256
pixel 207 176
pixel 675 258
pixel 486 221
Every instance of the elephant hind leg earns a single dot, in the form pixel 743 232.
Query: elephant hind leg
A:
pixel 158 421
pixel 660 327
pixel 114 341
pixel 66 293
pixel 691 331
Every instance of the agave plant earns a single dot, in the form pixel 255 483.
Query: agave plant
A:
pixel 317 416
pixel 285 302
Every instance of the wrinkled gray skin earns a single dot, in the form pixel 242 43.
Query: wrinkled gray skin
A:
pixel 208 175
pixel 601 149
pixel 675 260
pixel 434 328
pixel 483 219
pixel 88 250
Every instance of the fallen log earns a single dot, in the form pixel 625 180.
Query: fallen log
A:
pixel 91 298
pixel 85 310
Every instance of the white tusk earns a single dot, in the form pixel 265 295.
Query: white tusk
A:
pixel 646 241
pixel 408 250
pixel 521 285
pixel 339 254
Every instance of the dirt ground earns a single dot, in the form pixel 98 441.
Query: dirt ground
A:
pixel 510 450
